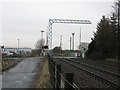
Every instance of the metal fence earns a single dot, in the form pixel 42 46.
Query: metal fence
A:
pixel 57 79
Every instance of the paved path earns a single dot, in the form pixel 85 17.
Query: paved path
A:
pixel 22 75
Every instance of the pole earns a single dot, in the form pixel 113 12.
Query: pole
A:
pixel 2 48
pixel 47 37
pixel 42 37
pixel 42 42
pixel 18 44
pixel 118 43
pixel 70 43
pixel 69 78
pixel 58 77
pixel 73 40
pixel 42 34
pixel 80 39
pixel 61 41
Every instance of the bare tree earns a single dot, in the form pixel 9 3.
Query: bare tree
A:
pixel 40 43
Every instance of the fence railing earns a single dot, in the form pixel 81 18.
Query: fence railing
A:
pixel 57 79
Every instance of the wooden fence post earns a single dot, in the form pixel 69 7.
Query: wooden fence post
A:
pixel 69 78
pixel 54 73
pixel 58 76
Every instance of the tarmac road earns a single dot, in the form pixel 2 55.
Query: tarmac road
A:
pixel 22 75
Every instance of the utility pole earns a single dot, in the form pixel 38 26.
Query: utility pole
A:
pixel 42 42
pixel 80 39
pixel 42 34
pixel 2 48
pixel 70 43
pixel 42 37
pixel 47 37
pixel 61 41
pixel 18 45
pixel 73 40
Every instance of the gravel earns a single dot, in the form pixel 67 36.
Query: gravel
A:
pixel 81 79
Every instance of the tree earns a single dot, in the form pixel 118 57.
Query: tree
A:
pixel 106 41
pixel 113 36
pixel 99 47
pixel 40 43
pixel 117 16
pixel 102 37
pixel 56 50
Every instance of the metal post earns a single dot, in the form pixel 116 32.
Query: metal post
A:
pixel 80 39
pixel 60 43
pixel 70 43
pixel 73 40
pixel 58 76
pixel 2 48
pixel 50 35
pixel 47 36
pixel 69 84
pixel 18 46
pixel 42 42
pixel 2 53
pixel 42 34
pixel 118 35
pixel 54 73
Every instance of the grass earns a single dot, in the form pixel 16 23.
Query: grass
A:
pixel 6 64
pixel 113 60
pixel 44 79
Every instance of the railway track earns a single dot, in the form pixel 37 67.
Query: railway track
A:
pixel 114 67
pixel 93 67
pixel 108 77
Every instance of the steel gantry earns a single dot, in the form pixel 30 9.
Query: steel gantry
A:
pixel 51 21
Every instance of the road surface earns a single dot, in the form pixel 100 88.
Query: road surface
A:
pixel 22 75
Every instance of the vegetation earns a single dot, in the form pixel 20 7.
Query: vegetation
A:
pixel 36 52
pixel 38 48
pixel 43 80
pixel 106 41
pixel 6 63
pixel 56 50
pixel 40 43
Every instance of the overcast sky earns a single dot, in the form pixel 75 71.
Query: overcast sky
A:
pixel 24 20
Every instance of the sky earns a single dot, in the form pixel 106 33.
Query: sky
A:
pixel 24 20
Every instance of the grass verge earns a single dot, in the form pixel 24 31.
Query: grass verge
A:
pixel 44 79
pixel 6 64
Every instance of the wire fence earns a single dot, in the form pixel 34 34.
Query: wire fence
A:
pixel 57 79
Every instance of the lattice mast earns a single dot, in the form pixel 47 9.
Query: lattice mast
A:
pixel 51 21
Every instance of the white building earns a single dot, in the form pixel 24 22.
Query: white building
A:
pixel 83 48
pixel 84 45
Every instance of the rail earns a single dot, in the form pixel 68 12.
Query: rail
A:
pixel 102 70
pixel 113 84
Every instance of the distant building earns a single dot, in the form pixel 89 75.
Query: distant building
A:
pixel 15 50
pixel 83 46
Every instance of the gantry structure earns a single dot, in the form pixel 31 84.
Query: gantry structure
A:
pixel 51 21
